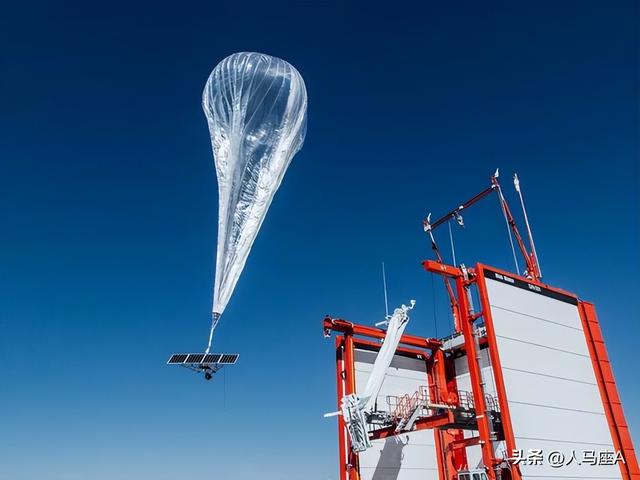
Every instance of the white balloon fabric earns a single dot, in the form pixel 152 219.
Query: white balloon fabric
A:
pixel 256 108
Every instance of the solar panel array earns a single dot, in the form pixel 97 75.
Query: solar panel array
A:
pixel 203 358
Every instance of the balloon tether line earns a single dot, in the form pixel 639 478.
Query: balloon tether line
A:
pixel 214 322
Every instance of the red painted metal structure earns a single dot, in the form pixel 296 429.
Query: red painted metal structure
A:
pixel 346 343
pixel 609 391
pixel 449 439
pixel 450 442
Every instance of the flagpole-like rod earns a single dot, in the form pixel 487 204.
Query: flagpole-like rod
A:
pixel 453 248
pixel 384 285
pixel 503 201
pixel 529 258
pixel 516 183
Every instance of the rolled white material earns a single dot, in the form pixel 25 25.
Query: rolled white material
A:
pixel 356 407
pixel 397 324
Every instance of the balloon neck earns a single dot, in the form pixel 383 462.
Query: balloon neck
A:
pixel 215 316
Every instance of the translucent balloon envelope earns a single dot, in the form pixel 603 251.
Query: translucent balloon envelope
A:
pixel 256 110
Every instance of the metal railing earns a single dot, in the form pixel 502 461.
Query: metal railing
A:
pixel 404 409
pixel 466 401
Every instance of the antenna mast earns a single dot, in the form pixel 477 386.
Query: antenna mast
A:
pixel 516 183
pixel 503 207
pixel 384 285
pixel 531 260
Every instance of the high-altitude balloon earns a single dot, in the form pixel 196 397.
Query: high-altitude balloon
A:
pixel 256 110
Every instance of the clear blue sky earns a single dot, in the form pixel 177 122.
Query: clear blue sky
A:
pixel 108 210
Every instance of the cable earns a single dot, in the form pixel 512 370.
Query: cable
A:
pixel 215 317
pixel 506 219
pixel 516 183
pixel 384 285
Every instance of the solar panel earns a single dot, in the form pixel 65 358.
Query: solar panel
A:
pixel 203 359
pixel 195 358
pixel 229 358
pixel 211 358
pixel 177 358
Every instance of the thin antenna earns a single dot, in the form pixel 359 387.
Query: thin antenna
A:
pixel 516 183
pixel 506 219
pixel 384 285
pixel 453 249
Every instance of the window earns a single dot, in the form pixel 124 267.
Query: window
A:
pixel 484 476
pixel 464 476
pixel 476 476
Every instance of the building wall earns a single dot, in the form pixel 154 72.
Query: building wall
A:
pixel 550 383
pixel 409 456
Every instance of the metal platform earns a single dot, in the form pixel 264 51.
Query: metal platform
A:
pixel 406 410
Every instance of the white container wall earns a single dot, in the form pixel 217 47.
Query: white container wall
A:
pixel 550 383
pixel 409 456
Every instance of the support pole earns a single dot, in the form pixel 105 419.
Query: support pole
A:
pixel 516 183
pixel 503 207
pixel 353 460
pixel 447 283
pixel 609 392
pixel 342 430
pixel 477 384
pixel 529 258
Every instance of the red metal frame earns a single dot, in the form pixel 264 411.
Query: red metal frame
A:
pixel 352 464
pixel 496 367
pixel 451 456
pixel 346 343
pixel 602 367
pixel 467 319
pixel 531 261
pixel 441 377
pixel 350 329
pixel 609 392
pixel 450 444
pixel 477 384
pixel 343 441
